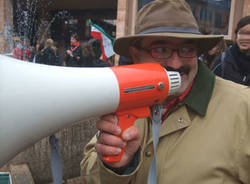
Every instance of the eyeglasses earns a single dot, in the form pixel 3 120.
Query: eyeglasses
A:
pixel 163 52
pixel 244 33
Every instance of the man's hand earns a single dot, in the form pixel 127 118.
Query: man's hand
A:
pixel 108 144
pixel 69 52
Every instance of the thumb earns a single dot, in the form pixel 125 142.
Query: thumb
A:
pixel 132 137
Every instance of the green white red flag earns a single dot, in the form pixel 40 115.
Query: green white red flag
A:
pixel 106 40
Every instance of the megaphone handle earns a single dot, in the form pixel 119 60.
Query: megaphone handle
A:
pixel 126 119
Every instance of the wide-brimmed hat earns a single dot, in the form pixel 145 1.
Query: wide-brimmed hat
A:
pixel 166 18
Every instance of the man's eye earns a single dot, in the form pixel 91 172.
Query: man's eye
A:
pixel 160 49
pixel 187 49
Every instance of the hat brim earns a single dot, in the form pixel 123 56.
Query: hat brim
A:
pixel 204 42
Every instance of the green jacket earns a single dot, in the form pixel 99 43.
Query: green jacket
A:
pixel 205 140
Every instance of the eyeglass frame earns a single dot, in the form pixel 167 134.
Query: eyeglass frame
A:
pixel 149 50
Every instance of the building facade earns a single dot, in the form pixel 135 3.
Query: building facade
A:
pixel 6 24
pixel 237 9
pixel 122 11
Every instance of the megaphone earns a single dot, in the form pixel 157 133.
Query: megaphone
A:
pixel 37 100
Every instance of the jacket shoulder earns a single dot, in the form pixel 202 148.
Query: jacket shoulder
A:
pixel 228 89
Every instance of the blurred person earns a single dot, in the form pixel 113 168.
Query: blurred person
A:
pixel 37 52
pixel 49 54
pixel 59 53
pixel 28 51
pixel 209 57
pixel 98 61
pixel 18 49
pixel 74 52
pixel 234 63
pixel 88 54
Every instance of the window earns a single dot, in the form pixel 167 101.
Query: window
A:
pixel 211 15
pixel 217 16
pixel 214 16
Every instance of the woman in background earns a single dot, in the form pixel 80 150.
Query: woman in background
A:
pixel 234 63
pixel 88 54
pixel 209 57
pixel 49 54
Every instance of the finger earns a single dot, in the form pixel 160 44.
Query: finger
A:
pixel 106 150
pixel 132 133
pixel 108 124
pixel 111 140
pixel 132 147
pixel 110 117
pixel 133 138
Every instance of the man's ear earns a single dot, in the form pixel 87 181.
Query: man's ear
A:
pixel 134 53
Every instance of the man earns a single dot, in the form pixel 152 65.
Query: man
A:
pixel 205 133
pixel 74 52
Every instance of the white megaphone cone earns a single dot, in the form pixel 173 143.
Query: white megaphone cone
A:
pixel 38 100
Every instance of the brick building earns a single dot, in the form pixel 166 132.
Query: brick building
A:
pixel 126 11
pixel 6 22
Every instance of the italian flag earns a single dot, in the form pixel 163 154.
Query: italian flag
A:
pixel 106 40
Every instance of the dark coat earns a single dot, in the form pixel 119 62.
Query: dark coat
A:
pixel 233 65
pixel 73 61
pixel 49 57
pixel 88 61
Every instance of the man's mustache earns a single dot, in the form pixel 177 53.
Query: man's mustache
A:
pixel 183 69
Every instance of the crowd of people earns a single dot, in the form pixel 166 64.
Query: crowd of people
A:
pixel 23 50
pixel 204 134
pixel 77 54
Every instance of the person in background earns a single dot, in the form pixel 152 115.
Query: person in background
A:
pixel 234 63
pixel 209 57
pixel 88 54
pixel 205 133
pixel 18 49
pixel 28 51
pixel 74 52
pixel 37 53
pixel 98 61
pixel 59 53
pixel 23 50
pixel 49 54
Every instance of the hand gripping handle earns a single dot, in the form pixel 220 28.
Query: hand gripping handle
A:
pixel 126 119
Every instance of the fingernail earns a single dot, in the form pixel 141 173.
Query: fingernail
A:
pixel 126 136
pixel 118 150
pixel 118 131
pixel 124 144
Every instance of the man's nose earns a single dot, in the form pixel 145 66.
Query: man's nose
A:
pixel 175 61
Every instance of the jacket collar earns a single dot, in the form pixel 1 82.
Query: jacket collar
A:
pixel 199 96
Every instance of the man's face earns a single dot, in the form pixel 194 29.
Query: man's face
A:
pixel 243 39
pixel 150 50
pixel 73 40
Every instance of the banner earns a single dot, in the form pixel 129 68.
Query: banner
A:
pixel 106 40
